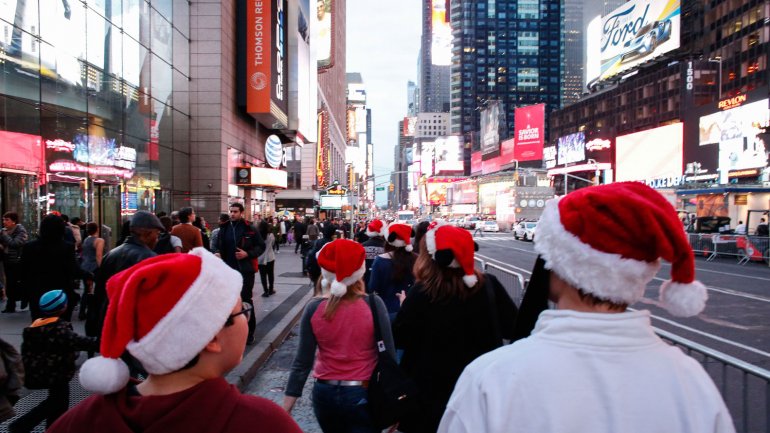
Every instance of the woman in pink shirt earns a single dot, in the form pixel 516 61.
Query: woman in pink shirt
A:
pixel 340 327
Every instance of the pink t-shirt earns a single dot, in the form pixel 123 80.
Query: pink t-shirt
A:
pixel 345 343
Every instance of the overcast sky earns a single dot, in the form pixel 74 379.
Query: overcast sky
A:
pixel 383 40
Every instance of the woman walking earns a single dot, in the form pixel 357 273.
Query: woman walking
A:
pixel 452 315
pixel 93 251
pixel 267 261
pixel 340 327
pixel 391 272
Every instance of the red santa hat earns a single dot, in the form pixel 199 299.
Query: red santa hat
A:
pixel 342 262
pixel 163 310
pixel 399 235
pixel 452 247
pixel 375 228
pixel 608 241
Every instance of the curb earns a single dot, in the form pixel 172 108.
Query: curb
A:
pixel 255 358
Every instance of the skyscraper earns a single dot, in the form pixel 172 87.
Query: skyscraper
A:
pixel 505 50
pixel 435 59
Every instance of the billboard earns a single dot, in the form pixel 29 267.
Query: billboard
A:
pixel 410 126
pixel 637 32
pixel 653 156
pixel 303 79
pixel 426 159
pixel 260 176
pixel 267 63
pixel 476 162
pixel 490 124
pixel 437 192
pixel 529 132
pixel 441 35
pixel 571 148
pixel 323 40
pixel 734 134
pixel 507 151
pixel 549 156
pixel 448 154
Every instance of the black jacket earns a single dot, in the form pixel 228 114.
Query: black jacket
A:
pixel 239 234
pixel 48 266
pixel 129 253
pixel 50 351
pixel 373 247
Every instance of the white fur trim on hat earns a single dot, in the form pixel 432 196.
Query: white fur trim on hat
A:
pixel 194 320
pixel 372 234
pixel 339 288
pixel 430 238
pixel 409 248
pixel 683 299
pixel 102 375
pixel 604 275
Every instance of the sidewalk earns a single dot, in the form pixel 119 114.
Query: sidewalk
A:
pixel 275 316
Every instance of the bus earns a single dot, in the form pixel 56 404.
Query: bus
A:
pixel 405 216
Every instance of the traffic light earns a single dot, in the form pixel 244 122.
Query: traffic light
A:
pixel 390 188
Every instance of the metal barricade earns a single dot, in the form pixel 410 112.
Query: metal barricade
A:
pixel 479 264
pixel 743 248
pixel 512 281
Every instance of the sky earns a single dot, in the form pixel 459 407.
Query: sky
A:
pixel 383 41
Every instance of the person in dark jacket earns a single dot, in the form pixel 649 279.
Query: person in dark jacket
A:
pixel 49 350
pixel 145 228
pixel 239 244
pixel 313 270
pixel 11 379
pixel 300 229
pixel 13 236
pixel 374 246
pixel 49 263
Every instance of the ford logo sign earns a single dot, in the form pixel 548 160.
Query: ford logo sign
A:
pixel 274 151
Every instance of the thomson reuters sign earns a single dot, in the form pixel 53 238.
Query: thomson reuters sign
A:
pixel 266 97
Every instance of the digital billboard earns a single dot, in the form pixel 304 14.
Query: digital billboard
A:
pixel 437 193
pixel 529 132
pixel 426 159
pixel 441 35
pixel 508 151
pixel 410 126
pixel 476 162
pixel 571 148
pixel 448 154
pixel 637 32
pixel 303 79
pixel 490 124
pixel 324 33
pixel 650 156
pixel 734 134
pixel 549 156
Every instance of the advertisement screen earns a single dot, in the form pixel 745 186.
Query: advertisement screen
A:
pixel 303 77
pixel 571 148
pixel 410 126
pixel 448 154
pixel 637 32
pixel 507 151
pixel 490 124
pixel 476 162
pixel 530 132
pixel 549 156
pixel 266 62
pixel 323 33
pixel 426 159
pixel 650 155
pixel 464 192
pixel 437 193
pixel 441 35
pixel 332 202
pixel 735 133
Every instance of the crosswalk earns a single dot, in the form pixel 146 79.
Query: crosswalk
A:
pixel 493 237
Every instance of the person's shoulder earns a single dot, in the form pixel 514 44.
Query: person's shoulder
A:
pixel 272 418
pixel 80 418
pixel 385 256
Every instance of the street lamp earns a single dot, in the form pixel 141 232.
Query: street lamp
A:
pixel 718 60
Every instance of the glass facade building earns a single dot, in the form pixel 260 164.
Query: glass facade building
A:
pixel 94 107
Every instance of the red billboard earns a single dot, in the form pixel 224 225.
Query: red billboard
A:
pixel 529 132
pixel 508 151
pixel 266 63
pixel 476 162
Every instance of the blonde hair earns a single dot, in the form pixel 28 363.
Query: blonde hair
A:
pixel 355 291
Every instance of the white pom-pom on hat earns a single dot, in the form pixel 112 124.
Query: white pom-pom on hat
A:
pixel 683 299
pixel 409 248
pixel 104 375
pixel 470 280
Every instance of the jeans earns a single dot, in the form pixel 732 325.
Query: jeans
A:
pixel 49 410
pixel 342 409
pixel 247 295
pixel 267 276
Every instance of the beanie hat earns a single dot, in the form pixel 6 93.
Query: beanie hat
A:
pixel 342 262
pixel 52 302
pixel 452 247
pixel 400 235
pixel 374 228
pixel 163 310
pixel 607 241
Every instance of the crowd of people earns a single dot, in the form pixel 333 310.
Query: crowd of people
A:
pixel 169 324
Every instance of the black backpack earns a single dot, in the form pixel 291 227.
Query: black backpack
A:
pixel 164 244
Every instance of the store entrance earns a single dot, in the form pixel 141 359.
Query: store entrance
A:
pixel 18 193
pixel 107 209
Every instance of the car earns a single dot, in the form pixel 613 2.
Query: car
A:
pixel 525 230
pixel 646 40
pixel 470 222
pixel 490 226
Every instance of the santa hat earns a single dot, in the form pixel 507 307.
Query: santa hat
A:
pixel 607 241
pixel 399 235
pixel 163 310
pixel 375 228
pixel 452 247
pixel 342 262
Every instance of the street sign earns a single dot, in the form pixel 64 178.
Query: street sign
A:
pixel 379 188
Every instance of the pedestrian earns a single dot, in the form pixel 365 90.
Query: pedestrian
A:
pixel 91 259
pixel 189 234
pixel 239 243
pixel 283 226
pixel 167 243
pixel 223 219
pixel 144 229
pixel 419 232
pixel 762 228
pixel 13 236
pixel 49 350
pixel 11 379
pixel 313 269
pixel 49 263
pixel 361 235
pixel 452 315
pixel 740 229
pixel 300 230
pixel 275 227
pixel 200 224
pixel 267 261
pixel 340 328
pixel 313 231
pixel 72 234
pixel 191 337
pixel 391 272
pixel 375 245
pixel 591 365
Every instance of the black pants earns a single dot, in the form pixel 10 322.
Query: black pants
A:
pixel 247 295
pixel 50 410
pixel 267 276
pixel 13 286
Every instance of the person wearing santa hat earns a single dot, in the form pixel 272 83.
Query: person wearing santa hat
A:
pixel 451 315
pixel 375 245
pixel 391 271
pixel 182 317
pixel 593 365
pixel 340 328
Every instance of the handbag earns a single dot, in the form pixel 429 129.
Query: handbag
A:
pixel 392 394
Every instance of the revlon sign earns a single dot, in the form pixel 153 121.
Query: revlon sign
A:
pixel 735 101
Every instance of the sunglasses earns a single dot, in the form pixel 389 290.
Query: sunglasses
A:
pixel 246 310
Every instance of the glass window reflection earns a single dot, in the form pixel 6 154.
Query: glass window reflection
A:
pixel 61 81
pixel 164 7
pixel 161 80
pixel 21 13
pixel 137 111
pixel 21 68
pixel 181 93
pixel 161 36
pixel 181 53
pixel 62 24
pixel 181 132
pixel 96 28
pixel 181 18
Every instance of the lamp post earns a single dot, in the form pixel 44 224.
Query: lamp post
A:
pixel 718 60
